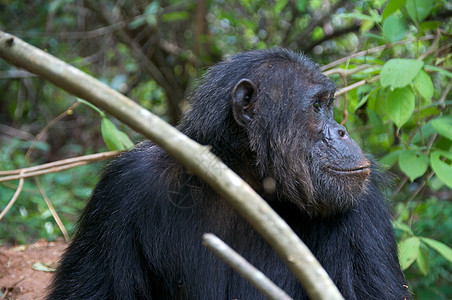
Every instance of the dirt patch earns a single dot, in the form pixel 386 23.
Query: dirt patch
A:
pixel 20 269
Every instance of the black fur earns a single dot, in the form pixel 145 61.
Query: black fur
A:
pixel 140 235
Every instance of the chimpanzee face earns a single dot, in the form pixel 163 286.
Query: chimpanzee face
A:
pixel 291 128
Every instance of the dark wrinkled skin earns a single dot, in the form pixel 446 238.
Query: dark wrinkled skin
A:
pixel 268 116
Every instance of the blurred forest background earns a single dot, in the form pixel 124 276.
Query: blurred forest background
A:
pixel 390 59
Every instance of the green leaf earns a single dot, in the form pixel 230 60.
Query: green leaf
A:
pixel 376 17
pixel 413 163
pixel 435 184
pixel 400 105
pixel 114 138
pixel 402 226
pixel 442 169
pixel 439 70
pixel 425 131
pixel 399 72
pixel 408 251
pixel 358 16
pixel 366 25
pixel 443 126
pixel 424 85
pixel 175 16
pixel 423 260
pixel 279 6
pixel 137 22
pixel 152 8
pixel 394 28
pixel 419 9
pixel 441 248
pixel 150 13
pixel 301 5
pixel 391 158
pixel 392 6
pixel 41 267
pixel 101 113
pixel 364 99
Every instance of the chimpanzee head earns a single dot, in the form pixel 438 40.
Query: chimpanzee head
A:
pixel 269 115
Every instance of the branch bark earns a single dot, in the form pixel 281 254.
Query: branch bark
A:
pixel 56 166
pixel 244 268
pixel 372 50
pixel 195 157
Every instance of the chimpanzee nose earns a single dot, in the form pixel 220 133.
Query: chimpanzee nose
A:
pixel 337 131
pixel 342 132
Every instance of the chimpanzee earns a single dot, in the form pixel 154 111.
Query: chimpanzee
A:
pixel 268 115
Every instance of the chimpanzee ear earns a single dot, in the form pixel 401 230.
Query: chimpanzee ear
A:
pixel 243 101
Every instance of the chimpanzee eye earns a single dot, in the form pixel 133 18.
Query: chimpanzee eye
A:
pixel 316 105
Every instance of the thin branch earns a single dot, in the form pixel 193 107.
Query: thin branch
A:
pixel 244 268
pixel 55 215
pixel 196 158
pixel 13 199
pixel 14 132
pixel 42 172
pixel 445 93
pixel 433 47
pixel 16 74
pixel 345 110
pixel 399 186
pixel 85 158
pixel 44 130
pixel 420 187
pixel 356 85
pixel 373 50
pixel 346 72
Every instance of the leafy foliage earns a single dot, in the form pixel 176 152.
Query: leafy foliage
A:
pixel 398 57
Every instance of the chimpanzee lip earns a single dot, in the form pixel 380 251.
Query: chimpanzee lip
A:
pixel 360 169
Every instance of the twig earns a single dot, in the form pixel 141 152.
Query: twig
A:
pixel 372 50
pixel 356 85
pixel 346 72
pixel 55 216
pixel 345 110
pixel 244 268
pixel 56 166
pixel 44 130
pixel 85 158
pixel 420 187
pixel 445 93
pixel 42 172
pixel 14 198
pixel 14 132
pixel 433 47
pixel 9 289
pixel 399 186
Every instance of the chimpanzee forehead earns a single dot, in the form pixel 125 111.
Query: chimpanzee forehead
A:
pixel 295 77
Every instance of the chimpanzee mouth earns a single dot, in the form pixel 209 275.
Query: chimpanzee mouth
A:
pixel 365 168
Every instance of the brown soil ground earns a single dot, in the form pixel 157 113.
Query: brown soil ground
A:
pixel 18 278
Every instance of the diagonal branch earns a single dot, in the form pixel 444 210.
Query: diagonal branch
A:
pixel 196 158
pixel 244 268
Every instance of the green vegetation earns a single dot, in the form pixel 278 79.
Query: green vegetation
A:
pixel 394 97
